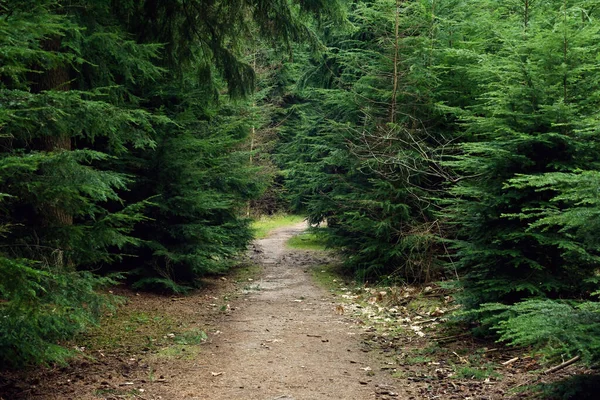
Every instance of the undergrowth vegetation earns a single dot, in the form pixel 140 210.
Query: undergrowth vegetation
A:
pixel 41 309
pixel 432 354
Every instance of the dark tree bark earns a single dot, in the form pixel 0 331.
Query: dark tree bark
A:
pixel 57 78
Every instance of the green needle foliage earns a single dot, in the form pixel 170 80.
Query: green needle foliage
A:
pixel 464 131
pixel 531 125
pixel 525 204
pixel 136 136
pixel 62 211
pixel 559 329
pixel 203 180
pixel 201 177
pixel 358 147
pixel 122 125
pixel 43 306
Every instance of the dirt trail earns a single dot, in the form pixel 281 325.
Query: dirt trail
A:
pixel 278 338
pixel 284 340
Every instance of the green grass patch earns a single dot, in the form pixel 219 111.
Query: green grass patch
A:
pixel 265 224
pixel 416 360
pixel 191 337
pixel 246 273
pixel 424 305
pixel 306 241
pixel 179 351
pixel 128 330
pixel 479 373
pixel 252 287
pixel 329 277
pixel 400 374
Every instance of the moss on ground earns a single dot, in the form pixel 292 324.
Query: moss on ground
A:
pixel 246 273
pixel 128 330
pixel 133 332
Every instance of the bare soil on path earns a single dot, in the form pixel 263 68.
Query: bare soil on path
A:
pixel 285 340
pixel 279 336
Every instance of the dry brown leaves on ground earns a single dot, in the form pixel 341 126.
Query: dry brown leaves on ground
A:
pixel 433 359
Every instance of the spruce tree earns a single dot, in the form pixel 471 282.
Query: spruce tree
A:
pixel 120 138
pixel 61 208
pixel 359 147
pixel 532 120
pixel 199 176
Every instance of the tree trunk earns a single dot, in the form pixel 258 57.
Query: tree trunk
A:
pixel 57 78
pixel 396 56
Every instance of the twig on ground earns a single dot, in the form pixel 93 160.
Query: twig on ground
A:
pixel 512 360
pixel 563 365
pixel 462 359
pixel 450 338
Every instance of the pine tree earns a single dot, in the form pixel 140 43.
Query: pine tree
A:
pixel 120 138
pixel 360 148
pixel 199 176
pixel 61 209
pixel 202 180
pixel 531 121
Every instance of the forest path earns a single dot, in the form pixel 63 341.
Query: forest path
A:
pixel 283 340
pixel 276 336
